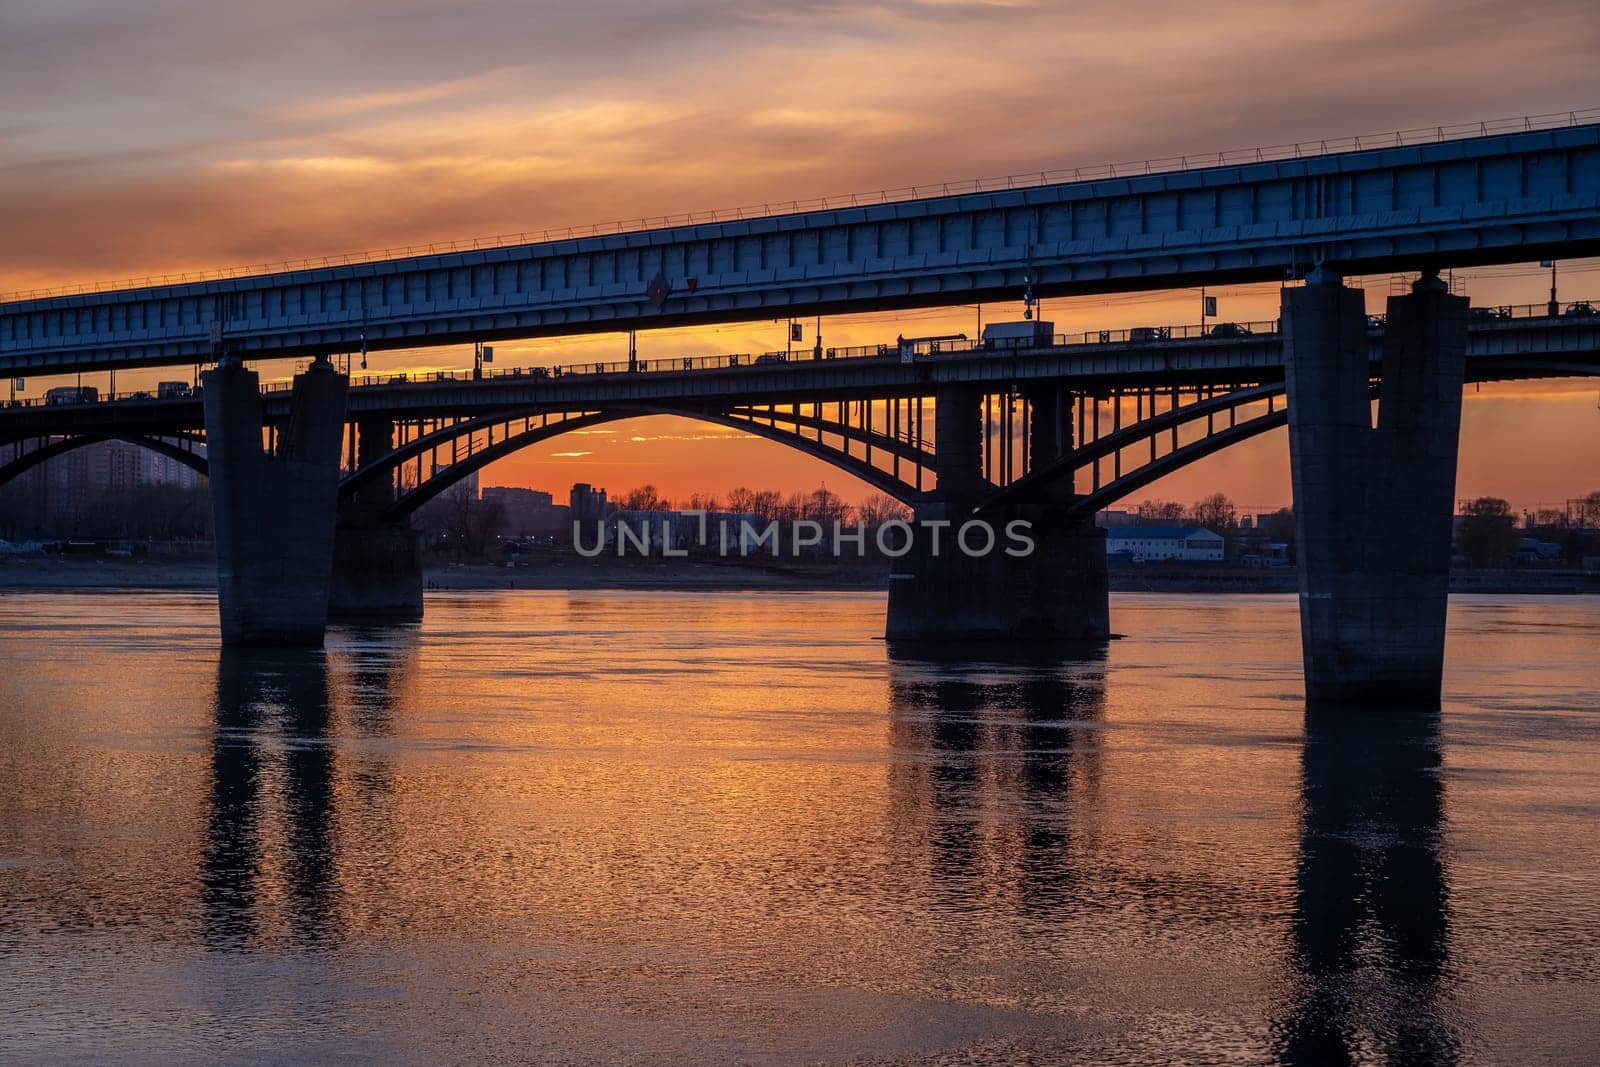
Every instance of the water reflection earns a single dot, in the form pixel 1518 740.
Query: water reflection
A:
pixel 997 756
pixel 1372 914
pixel 271 742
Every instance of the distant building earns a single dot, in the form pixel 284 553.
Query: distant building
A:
pixel 528 512
pixel 588 504
pixel 655 530
pixel 1148 544
pixel 77 482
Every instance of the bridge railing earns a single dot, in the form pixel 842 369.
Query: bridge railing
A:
pixel 922 348
pixel 1058 176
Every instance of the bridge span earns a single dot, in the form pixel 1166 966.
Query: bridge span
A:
pixel 1506 197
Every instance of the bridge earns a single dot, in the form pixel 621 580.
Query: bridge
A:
pixel 313 485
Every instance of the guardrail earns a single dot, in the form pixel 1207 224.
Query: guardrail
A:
pixel 921 348
pixel 1060 175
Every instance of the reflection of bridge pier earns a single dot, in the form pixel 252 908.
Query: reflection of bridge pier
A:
pixel 258 691
pixel 1371 926
pixel 1004 765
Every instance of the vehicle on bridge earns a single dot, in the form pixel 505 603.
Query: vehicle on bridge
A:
pixel 770 357
pixel 1230 329
pixel 1581 310
pixel 173 390
pixel 1027 334
pixel 1149 333
pixel 72 394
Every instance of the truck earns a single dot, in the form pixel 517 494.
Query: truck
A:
pixel 1027 334
pixel 72 394
pixel 172 390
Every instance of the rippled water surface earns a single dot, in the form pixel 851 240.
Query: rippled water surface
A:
pixel 706 827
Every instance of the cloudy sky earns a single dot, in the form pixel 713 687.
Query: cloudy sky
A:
pixel 165 135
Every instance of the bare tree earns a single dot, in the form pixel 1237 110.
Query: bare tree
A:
pixel 1216 513
pixel 767 503
pixel 825 507
pixel 1488 531
pixel 467 523
pixel 1587 513
pixel 880 508
pixel 1161 511
pixel 644 498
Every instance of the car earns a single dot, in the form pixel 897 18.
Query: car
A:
pixel 1230 329
pixel 1485 314
pixel 770 357
pixel 1581 310
pixel 1147 333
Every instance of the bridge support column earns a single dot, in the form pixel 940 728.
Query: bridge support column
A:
pixel 377 572
pixel 1373 505
pixel 273 513
pixel 1057 590
pixel 377 563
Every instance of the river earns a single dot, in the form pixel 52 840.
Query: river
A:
pixel 643 827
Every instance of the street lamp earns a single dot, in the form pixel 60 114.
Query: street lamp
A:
pixel 1555 305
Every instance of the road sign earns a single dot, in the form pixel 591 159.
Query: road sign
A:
pixel 1211 307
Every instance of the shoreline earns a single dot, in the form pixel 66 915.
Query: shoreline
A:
pixel 54 574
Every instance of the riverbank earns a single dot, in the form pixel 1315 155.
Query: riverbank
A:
pixel 35 573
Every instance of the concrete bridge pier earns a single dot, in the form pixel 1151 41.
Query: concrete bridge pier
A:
pixel 273 513
pixel 377 562
pixel 940 593
pixel 1373 503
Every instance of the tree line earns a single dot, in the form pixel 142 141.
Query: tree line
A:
pixel 820 505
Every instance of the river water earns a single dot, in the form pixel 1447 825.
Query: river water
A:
pixel 629 827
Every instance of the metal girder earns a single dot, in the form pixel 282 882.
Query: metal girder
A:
pixel 1085 506
pixel 444 477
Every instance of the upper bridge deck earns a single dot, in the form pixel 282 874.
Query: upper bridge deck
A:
pixel 1497 197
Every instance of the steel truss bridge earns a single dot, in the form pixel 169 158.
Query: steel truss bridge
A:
pixel 1131 411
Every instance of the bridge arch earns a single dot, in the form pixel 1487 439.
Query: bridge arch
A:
pixel 413 499
pixel 60 446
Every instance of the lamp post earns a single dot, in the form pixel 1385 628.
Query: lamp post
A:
pixel 1555 305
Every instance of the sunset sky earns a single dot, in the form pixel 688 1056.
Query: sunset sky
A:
pixel 140 138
